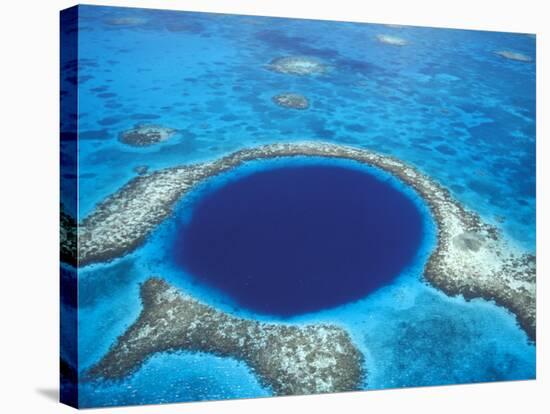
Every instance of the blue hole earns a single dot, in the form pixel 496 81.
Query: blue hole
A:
pixel 297 239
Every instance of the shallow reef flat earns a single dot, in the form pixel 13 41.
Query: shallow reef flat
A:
pixel 288 359
pixel 143 135
pixel 298 65
pixel 126 21
pixel 511 55
pixel 291 100
pixel 391 40
pixel 471 258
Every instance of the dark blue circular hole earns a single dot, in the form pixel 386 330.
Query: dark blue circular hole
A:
pixel 297 239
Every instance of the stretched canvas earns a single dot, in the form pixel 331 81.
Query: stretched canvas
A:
pixel 258 206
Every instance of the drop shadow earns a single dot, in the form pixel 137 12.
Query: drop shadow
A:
pixel 51 394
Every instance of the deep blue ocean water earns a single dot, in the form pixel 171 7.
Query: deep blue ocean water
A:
pixel 444 103
pixel 279 243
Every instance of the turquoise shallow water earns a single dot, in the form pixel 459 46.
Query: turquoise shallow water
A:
pixel 444 103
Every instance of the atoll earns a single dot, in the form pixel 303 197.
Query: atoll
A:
pixel 519 57
pixel 143 135
pixel 289 359
pixel 391 40
pixel 291 100
pixel 471 258
pixel 298 65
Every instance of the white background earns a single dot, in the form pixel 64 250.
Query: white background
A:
pixel 29 205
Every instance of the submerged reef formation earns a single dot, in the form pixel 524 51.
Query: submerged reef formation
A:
pixel 471 257
pixel 291 100
pixel 141 169
pixel 126 21
pixel 391 40
pixel 519 57
pixel 288 359
pixel 298 65
pixel 143 135
pixel 67 237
